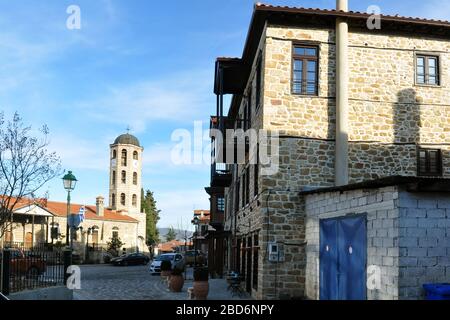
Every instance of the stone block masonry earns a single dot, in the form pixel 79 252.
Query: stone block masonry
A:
pixel 425 246
pixel 382 235
pixel 389 116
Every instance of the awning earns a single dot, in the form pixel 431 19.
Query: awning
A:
pixel 33 210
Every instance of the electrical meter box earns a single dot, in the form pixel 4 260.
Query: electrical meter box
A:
pixel 276 252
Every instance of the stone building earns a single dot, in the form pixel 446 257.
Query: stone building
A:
pixel 37 223
pixel 126 179
pixel 199 237
pixel 350 104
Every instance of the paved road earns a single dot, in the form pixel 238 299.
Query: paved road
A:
pixel 105 282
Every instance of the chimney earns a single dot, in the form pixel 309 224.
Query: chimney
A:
pixel 99 202
pixel 341 157
pixel 342 5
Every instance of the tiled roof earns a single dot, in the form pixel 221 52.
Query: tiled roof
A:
pixel 60 209
pixel 172 245
pixel 201 211
pixel 354 14
pixel 203 215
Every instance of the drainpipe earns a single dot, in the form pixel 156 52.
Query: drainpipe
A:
pixel 341 161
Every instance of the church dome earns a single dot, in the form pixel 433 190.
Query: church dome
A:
pixel 127 139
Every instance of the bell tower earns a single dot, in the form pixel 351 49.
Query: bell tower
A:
pixel 125 174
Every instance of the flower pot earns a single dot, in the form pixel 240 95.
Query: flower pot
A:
pixel 165 274
pixel 201 290
pixel 176 283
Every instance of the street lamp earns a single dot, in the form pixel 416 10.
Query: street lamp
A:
pixel 69 182
pixel 195 221
pixel 88 232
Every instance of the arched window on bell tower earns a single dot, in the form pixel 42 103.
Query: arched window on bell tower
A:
pixel 114 154
pixel 124 158
pixel 113 200
pixel 113 178
pixel 122 199
pixel 135 178
pixel 134 200
pixel 135 155
pixel 124 177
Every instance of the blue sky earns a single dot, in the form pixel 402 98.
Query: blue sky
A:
pixel 140 63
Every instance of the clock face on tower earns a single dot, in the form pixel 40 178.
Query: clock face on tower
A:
pixel 135 164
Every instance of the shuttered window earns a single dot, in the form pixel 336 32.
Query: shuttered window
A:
pixel 429 162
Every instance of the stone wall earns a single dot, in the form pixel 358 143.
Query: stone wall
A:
pixel 382 234
pixel 389 114
pixel 248 220
pixel 389 117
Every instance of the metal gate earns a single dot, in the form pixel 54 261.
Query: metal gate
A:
pixel 343 258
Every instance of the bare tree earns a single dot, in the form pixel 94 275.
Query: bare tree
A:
pixel 25 166
pixel 183 232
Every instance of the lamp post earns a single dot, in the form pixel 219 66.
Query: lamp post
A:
pixel 88 232
pixel 69 182
pixel 195 221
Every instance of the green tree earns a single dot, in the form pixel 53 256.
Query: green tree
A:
pixel 114 245
pixel 171 234
pixel 152 217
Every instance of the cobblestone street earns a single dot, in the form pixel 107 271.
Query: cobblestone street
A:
pixel 105 282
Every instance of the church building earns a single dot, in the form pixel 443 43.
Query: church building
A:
pixel 39 223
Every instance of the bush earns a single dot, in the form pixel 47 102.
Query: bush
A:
pixel 166 265
pixel 201 274
pixel 115 244
pixel 177 272
pixel 107 258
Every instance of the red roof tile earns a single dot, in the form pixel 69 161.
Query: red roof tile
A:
pixel 60 209
pixel 203 218
pixel 172 245
pixel 355 14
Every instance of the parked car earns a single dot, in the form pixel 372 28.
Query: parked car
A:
pixel 27 264
pixel 131 259
pixel 195 256
pixel 176 259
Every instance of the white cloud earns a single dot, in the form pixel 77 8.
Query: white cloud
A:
pixel 110 9
pixel 78 153
pixel 176 204
pixel 178 98
pixel 166 155
pixel 436 9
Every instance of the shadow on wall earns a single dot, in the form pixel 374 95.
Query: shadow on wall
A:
pixel 407 118
pixel 377 160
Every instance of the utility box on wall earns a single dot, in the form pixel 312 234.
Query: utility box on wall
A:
pixel 276 252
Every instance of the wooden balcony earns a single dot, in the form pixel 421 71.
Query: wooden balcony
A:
pixel 220 175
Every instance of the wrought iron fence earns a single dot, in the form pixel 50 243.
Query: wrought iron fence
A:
pixel 97 247
pixel 40 246
pixel 28 270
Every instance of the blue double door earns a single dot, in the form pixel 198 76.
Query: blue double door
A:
pixel 343 258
